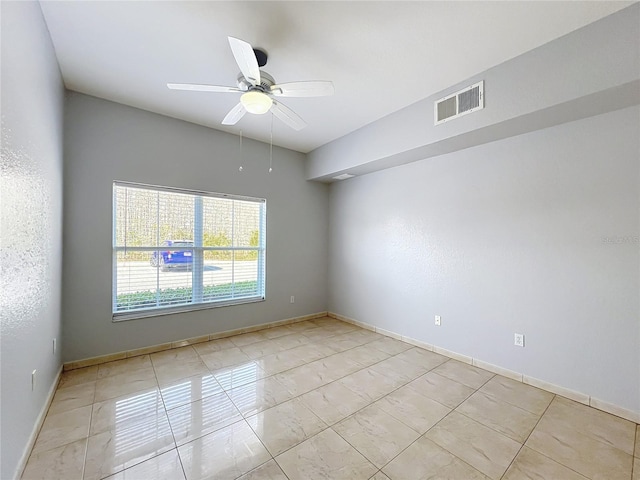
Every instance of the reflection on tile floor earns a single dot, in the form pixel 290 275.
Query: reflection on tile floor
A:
pixel 319 399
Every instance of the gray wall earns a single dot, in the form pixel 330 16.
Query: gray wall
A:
pixel 30 223
pixel 105 141
pixel 535 234
pixel 592 70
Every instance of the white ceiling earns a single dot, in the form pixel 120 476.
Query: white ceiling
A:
pixel 381 56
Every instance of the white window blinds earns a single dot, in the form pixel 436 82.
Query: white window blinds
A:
pixel 177 250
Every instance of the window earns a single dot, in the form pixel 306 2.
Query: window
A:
pixel 178 250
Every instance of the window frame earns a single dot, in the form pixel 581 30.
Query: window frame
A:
pixel 197 251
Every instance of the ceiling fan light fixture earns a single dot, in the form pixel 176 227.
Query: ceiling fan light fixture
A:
pixel 256 102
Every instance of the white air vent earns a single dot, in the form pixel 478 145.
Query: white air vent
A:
pixel 460 103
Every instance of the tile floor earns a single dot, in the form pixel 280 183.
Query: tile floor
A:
pixel 319 399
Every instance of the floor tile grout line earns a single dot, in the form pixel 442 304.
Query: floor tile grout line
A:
pixel 226 393
pixel 402 421
pixel 261 443
pixel 33 452
pixel 377 400
pixel 438 422
pixel 157 388
pixel 433 426
pixel 367 406
pixel 254 469
pixel 184 471
pixel 491 428
pixel 383 396
pixel 594 439
pixel 282 470
pixel 420 435
pixel 86 445
pixel 166 412
pixel 379 471
pixel 524 444
pixel 497 431
pixel 553 395
pixel 610 445
pixel 354 447
pixel 327 427
pixel 488 426
pixel 526 439
pixel 446 378
pixel 273 457
pixel 424 435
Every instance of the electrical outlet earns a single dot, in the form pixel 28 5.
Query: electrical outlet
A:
pixel 518 340
pixel 33 380
pixel 293 299
pixel 54 346
pixel 438 320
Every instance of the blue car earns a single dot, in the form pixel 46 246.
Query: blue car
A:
pixel 176 257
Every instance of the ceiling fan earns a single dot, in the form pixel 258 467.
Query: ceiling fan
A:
pixel 258 88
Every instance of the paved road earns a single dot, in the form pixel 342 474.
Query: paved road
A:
pixel 146 277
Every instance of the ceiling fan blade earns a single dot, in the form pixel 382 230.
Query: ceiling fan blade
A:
pixel 203 88
pixel 303 89
pixel 288 116
pixel 246 60
pixel 234 115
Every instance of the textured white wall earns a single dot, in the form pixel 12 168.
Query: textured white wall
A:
pixel 536 234
pixel 105 141
pixel 30 223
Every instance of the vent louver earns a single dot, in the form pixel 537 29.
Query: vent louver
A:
pixel 460 103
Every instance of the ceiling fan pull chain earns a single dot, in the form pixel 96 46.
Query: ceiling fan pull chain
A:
pixel 240 169
pixel 271 147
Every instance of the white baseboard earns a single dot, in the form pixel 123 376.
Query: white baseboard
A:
pixel 455 355
pixel 505 372
pixel 614 409
pixel 88 362
pixel 37 426
pixel 352 321
pixel 520 377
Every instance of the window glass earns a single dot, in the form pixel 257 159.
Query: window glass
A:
pixel 175 250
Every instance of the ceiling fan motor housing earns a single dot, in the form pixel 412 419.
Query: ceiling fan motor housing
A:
pixel 266 82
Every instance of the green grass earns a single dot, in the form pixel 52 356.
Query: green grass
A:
pixel 177 296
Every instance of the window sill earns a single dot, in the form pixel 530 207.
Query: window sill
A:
pixel 156 312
